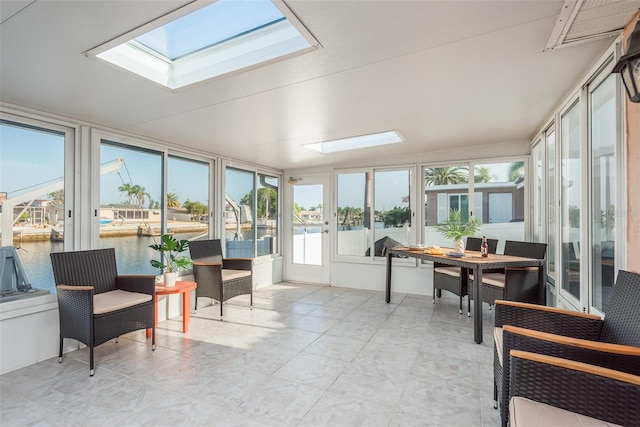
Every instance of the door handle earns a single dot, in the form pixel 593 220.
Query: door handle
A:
pixel 325 231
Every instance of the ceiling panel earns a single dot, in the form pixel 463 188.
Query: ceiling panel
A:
pixel 443 73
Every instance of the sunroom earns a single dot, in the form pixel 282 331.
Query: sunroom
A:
pixel 308 135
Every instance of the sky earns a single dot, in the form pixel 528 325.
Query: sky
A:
pixel 42 153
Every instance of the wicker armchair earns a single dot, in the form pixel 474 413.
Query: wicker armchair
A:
pixel 95 303
pixel 220 278
pixel 612 342
pixel 514 284
pixel 553 391
pixel 454 279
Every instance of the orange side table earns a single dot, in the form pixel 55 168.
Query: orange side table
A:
pixel 181 287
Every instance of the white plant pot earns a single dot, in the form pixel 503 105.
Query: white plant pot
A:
pixel 460 246
pixel 170 279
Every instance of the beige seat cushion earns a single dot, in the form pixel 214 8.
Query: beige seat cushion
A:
pixel 524 412
pixel 117 300
pixel 234 274
pixel 451 271
pixel 497 338
pixel 493 279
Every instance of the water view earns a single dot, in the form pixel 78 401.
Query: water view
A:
pixel 132 253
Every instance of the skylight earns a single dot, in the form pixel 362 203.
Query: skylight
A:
pixel 357 142
pixel 205 40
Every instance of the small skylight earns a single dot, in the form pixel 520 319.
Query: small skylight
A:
pixel 356 142
pixel 204 40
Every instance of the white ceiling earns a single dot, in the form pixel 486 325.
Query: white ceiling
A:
pixel 446 74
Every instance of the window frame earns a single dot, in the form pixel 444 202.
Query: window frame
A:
pixel 72 216
pixel 371 258
pixel 256 171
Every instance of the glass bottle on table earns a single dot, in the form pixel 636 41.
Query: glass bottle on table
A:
pixel 484 248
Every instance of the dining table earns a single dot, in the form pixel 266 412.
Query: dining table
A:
pixel 470 260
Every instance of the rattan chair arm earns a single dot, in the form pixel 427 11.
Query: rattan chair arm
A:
pixel 575 342
pixel 75 304
pixel 73 288
pixel 577 366
pixel 144 284
pixel 544 308
pixel 547 319
pixel 214 264
pixel 576 387
pixel 237 263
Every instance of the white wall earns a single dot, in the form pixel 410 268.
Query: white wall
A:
pixel 28 332
pixel 407 276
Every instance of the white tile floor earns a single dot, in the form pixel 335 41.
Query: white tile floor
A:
pixel 305 356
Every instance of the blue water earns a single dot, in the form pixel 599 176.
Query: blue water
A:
pixel 132 256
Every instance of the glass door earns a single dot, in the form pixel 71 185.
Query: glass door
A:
pixel 603 131
pixel 571 258
pixel 309 233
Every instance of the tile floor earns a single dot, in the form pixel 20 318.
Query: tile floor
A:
pixel 305 356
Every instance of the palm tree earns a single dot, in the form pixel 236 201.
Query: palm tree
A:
pixel 140 194
pixel 516 171
pixel 172 200
pixel 446 175
pixel 129 190
pixel 482 174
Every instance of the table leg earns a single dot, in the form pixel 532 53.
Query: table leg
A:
pixel 186 311
pixel 155 316
pixel 542 297
pixel 477 304
pixel 387 296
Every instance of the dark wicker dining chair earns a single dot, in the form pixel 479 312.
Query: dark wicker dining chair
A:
pixel 548 391
pixel 220 278
pixel 448 278
pixel 96 304
pixel 514 284
pixel 612 342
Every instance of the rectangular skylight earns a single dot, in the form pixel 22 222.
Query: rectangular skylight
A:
pixel 204 40
pixel 357 142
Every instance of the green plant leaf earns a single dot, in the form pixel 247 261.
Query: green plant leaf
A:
pixel 456 228
pixel 169 249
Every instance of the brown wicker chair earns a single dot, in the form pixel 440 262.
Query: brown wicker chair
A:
pixel 514 284
pixel 553 391
pixel 220 278
pixel 95 303
pixel 612 342
pixel 452 279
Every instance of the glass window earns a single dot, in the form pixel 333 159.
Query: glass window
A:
pixel 130 205
pixel 187 198
pixel 308 218
pixel 354 213
pixel 499 200
pixel 538 180
pixel 219 38
pixel 552 202
pixel 446 188
pixel 32 200
pixel 603 181
pixel 570 196
pixel 238 219
pixel 267 214
pixel 392 209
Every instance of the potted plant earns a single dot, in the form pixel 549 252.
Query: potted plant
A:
pixel 170 260
pixel 456 228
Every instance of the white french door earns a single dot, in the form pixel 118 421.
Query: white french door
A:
pixel 308 223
